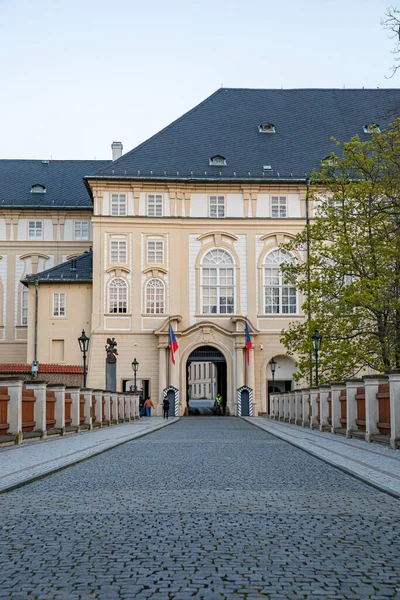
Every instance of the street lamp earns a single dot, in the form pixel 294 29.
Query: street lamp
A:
pixel 272 364
pixel 316 342
pixel 135 366
pixel 84 345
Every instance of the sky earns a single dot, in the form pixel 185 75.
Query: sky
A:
pixel 76 75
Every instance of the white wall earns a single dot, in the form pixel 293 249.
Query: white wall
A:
pixel 263 205
pixel 294 207
pixel 198 205
pixel 194 249
pixel 234 206
pixel 241 249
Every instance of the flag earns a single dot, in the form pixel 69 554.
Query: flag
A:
pixel 249 345
pixel 173 344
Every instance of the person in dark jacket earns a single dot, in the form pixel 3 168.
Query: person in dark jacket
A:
pixel 165 406
pixel 141 405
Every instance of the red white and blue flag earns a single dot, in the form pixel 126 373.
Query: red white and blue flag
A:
pixel 249 345
pixel 173 344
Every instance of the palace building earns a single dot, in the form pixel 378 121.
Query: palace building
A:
pixel 183 231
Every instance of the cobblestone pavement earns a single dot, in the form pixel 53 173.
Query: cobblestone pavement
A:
pixel 206 508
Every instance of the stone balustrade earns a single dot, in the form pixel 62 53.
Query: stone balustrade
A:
pixel 37 409
pixel 367 408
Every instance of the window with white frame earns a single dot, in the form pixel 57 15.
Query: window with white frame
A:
pixel 217 206
pixel 218 283
pixel 118 205
pixel 154 205
pixel 278 207
pixel 155 252
pixel 118 296
pixel 59 304
pixel 155 297
pixel 118 252
pixel 35 230
pixel 279 296
pixel 81 230
pixel 24 306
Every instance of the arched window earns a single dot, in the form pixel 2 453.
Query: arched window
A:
pixel 279 296
pixel 155 297
pixel 218 283
pixel 118 296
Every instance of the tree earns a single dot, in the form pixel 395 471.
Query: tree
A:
pixel 351 279
pixel 391 23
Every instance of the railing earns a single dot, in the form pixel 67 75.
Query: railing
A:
pixel 36 408
pixel 367 408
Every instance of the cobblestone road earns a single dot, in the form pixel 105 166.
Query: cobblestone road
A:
pixel 207 508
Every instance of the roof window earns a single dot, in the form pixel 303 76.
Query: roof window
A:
pixel 38 188
pixel 330 160
pixel 218 161
pixel 371 128
pixel 266 128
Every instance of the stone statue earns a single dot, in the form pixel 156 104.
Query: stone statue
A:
pixel 111 350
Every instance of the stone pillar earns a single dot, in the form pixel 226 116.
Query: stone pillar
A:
pixel 107 407
pixel 121 408
pixel 162 371
pixel 98 396
pixel 114 402
pixel 372 383
pixel 298 394
pixel 14 387
pixel 305 418
pixel 394 387
pixel 75 406
pixel 59 408
pixel 285 407
pixel 251 377
pixel 336 388
pixel 280 404
pixel 314 408
pixel 127 407
pixel 135 406
pixel 87 393
pixel 351 405
pixel 323 406
pixel 291 406
pixel 239 366
pixel 39 388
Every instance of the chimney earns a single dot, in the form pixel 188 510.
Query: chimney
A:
pixel 116 148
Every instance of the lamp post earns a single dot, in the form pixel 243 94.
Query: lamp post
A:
pixel 272 364
pixel 316 342
pixel 135 366
pixel 84 346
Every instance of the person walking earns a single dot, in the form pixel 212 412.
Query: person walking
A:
pixel 218 403
pixel 165 406
pixel 141 407
pixel 148 405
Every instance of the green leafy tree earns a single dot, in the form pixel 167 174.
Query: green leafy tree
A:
pixel 351 279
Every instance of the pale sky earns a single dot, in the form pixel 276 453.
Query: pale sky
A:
pixel 78 74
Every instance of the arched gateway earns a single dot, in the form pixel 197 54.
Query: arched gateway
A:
pixel 218 380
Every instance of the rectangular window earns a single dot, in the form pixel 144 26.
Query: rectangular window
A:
pixel 24 307
pixel 35 230
pixel 217 206
pixel 59 304
pixel 278 207
pixel 81 230
pixel 154 205
pixel 155 252
pixel 118 252
pixel 118 205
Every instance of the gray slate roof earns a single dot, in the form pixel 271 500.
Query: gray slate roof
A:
pixel 227 123
pixel 63 180
pixel 77 269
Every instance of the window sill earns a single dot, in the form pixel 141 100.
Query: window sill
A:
pixel 280 315
pixel 126 314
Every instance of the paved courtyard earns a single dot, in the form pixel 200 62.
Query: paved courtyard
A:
pixel 205 508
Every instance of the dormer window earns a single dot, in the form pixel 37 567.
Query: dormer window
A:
pixel 266 128
pixel 330 160
pixel 38 188
pixel 371 128
pixel 218 161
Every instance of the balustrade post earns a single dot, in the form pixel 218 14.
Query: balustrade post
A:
pixel 107 407
pixel 324 391
pixel 97 415
pixel 298 413
pixel 286 407
pixel 291 406
pixel 394 388
pixel 313 408
pixel 39 407
pixel 87 395
pixel 127 407
pixel 75 406
pixel 336 388
pixel 14 387
pixel 280 413
pixel 121 408
pixel 371 383
pixel 114 404
pixel 351 405
pixel 305 421
pixel 59 408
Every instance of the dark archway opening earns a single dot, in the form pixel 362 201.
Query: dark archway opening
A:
pixel 205 368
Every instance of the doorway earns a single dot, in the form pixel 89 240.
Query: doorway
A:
pixel 206 375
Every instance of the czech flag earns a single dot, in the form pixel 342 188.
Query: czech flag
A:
pixel 173 344
pixel 249 345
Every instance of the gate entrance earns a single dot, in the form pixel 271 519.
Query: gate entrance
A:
pixel 206 375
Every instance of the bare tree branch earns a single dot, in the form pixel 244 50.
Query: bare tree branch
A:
pixel 391 23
